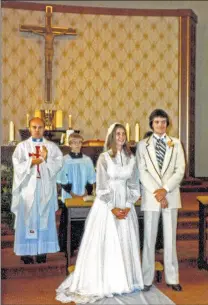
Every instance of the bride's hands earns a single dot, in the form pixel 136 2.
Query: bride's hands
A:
pixel 120 213
pixel 126 211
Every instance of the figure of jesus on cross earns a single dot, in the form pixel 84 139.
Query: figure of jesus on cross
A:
pixel 48 32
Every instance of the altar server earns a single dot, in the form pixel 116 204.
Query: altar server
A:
pixel 77 178
pixel 78 171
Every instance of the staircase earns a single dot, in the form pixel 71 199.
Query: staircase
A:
pixel 187 245
pixel 188 227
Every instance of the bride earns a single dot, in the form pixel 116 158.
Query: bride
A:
pixel 108 267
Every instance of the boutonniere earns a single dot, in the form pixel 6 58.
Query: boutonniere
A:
pixel 170 144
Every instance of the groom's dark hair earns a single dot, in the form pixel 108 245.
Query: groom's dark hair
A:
pixel 158 113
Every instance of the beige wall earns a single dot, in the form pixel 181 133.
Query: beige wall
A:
pixel 201 9
pixel 119 68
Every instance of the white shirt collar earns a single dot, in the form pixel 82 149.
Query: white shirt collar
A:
pixel 158 137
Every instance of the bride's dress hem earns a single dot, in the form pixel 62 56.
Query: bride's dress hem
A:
pixel 83 298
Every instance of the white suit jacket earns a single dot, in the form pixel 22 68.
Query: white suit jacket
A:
pixel 152 178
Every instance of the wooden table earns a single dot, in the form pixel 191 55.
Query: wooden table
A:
pixel 78 209
pixel 203 233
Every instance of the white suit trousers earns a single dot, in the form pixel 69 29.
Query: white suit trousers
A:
pixel 151 219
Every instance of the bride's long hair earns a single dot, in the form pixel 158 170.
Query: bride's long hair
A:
pixel 111 142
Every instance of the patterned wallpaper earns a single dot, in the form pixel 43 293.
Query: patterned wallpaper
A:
pixel 118 68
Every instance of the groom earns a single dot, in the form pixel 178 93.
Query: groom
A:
pixel 161 164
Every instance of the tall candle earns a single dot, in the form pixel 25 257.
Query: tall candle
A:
pixel 27 120
pixel 37 114
pixel 68 133
pixel 59 119
pixel 11 131
pixel 70 121
pixel 127 131
pixel 137 132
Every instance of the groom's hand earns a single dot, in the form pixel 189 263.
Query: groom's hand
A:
pixel 160 194
pixel 164 203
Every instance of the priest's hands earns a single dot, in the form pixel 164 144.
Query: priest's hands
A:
pixel 36 161
pixel 44 153
pixel 42 156
pixel 120 213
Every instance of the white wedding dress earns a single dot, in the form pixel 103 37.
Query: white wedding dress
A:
pixel 108 267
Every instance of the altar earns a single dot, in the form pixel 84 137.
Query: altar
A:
pixel 92 151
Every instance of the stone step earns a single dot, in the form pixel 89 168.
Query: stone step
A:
pixel 182 253
pixel 13 267
pixel 194 188
pixel 6 230
pixel 7 241
pixel 188 222
pixel 188 213
pixel 188 234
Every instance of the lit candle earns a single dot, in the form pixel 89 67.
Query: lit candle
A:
pixel 59 119
pixel 11 131
pixel 70 121
pixel 137 132
pixel 68 133
pixel 27 120
pixel 127 131
pixel 37 114
pixel 62 138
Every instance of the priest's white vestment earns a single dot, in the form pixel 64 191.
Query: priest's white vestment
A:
pixel 34 198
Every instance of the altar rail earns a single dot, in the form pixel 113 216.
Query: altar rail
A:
pixel 92 152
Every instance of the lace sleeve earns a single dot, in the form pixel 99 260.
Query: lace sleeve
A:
pixel 133 187
pixel 103 191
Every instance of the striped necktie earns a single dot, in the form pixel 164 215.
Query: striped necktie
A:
pixel 160 150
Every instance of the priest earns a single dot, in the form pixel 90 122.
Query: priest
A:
pixel 36 162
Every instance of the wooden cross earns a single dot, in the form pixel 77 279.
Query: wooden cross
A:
pixel 48 32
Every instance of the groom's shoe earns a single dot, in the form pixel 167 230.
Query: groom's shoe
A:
pixel 146 287
pixel 176 287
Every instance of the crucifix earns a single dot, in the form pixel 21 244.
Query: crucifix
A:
pixel 48 32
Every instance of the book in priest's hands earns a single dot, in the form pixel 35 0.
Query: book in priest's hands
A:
pixel 89 198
